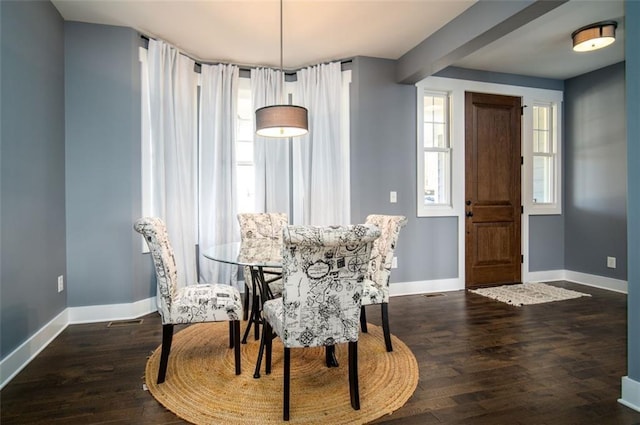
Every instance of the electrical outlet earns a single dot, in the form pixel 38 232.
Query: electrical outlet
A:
pixel 393 197
pixel 611 262
pixel 60 283
pixel 394 263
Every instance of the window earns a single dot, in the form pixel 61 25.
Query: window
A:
pixel 542 150
pixel 245 169
pixel 434 153
pixel 544 155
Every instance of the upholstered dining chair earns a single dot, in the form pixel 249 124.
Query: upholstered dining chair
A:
pixel 261 226
pixel 376 284
pixel 187 304
pixel 323 271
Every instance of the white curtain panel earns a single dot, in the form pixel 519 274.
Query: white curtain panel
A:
pixel 271 156
pixel 217 206
pixel 320 165
pixel 173 120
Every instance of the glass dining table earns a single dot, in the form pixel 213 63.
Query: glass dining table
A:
pixel 263 257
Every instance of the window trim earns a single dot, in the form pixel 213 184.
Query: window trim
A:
pixel 435 210
pixel 554 207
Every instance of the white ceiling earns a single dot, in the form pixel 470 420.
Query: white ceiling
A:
pixel 543 47
pixel 247 32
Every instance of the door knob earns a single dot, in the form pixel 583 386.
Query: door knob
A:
pixel 469 214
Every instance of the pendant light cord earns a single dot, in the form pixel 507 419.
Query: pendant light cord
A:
pixel 281 50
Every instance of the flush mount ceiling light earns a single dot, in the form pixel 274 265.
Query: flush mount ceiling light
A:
pixel 281 120
pixel 594 36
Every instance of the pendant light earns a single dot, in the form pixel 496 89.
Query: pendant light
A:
pixel 594 36
pixel 281 120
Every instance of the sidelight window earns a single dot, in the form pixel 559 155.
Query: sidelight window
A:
pixel 544 167
pixel 434 153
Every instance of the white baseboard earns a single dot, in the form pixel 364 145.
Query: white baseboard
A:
pixel 602 282
pixel 15 361
pixel 109 312
pixel 545 276
pixel 630 393
pixel 445 285
pixel 424 287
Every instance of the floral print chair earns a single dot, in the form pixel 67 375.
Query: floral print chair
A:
pixel 188 304
pixel 323 274
pixel 376 285
pixel 261 226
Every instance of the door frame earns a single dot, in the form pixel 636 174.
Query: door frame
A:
pixel 456 89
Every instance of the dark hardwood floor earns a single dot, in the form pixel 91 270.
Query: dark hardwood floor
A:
pixel 481 362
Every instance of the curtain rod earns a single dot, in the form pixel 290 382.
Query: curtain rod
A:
pixel 242 68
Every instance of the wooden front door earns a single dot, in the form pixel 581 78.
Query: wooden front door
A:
pixel 492 189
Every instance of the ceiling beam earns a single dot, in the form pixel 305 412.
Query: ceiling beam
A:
pixel 478 26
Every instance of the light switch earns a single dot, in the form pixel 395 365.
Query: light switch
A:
pixel 393 197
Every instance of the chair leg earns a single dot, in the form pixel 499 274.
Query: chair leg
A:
pixel 232 341
pixel 363 319
pixel 268 335
pixel 330 356
pixel 287 372
pixel 385 326
pixel 354 388
pixel 167 337
pixel 236 345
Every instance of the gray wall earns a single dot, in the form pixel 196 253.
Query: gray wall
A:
pixel 546 242
pixel 596 172
pixel 632 54
pixel 32 211
pixel 383 159
pixel 103 131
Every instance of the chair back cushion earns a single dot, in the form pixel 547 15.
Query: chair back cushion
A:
pixel 262 225
pixel 155 233
pixel 323 271
pixel 379 269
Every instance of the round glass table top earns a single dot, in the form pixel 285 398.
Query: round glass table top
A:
pixel 257 252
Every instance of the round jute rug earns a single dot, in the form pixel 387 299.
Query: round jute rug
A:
pixel 201 386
